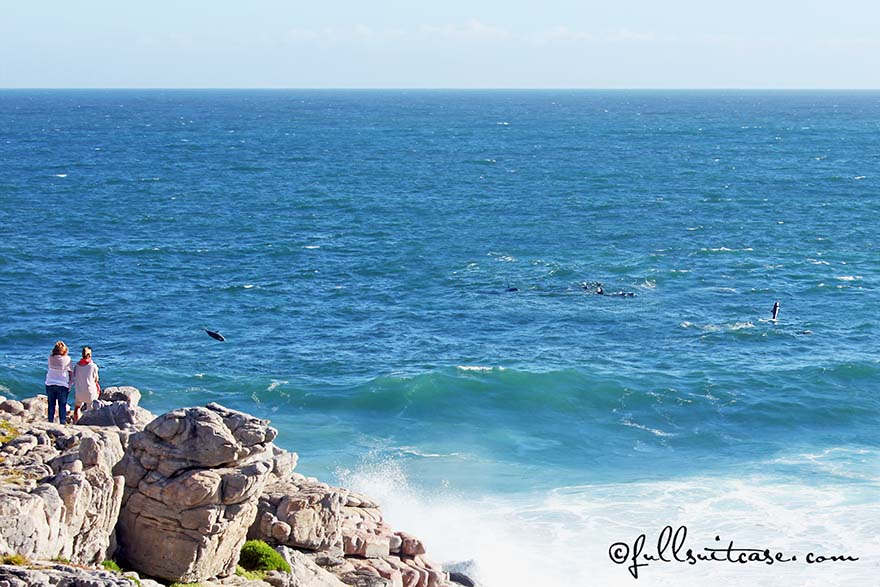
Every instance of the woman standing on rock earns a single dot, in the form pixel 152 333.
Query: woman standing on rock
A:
pixel 85 378
pixel 58 380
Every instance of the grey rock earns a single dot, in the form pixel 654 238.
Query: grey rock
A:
pixel 119 414
pixel 365 579
pixel 463 573
pixel 58 495
pixel 11 406
pixel 300 514
pixel 304 572
pixel 123 393
pixel 59 575
pixel 192 480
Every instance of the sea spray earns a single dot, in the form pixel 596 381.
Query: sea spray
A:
pixel 563 536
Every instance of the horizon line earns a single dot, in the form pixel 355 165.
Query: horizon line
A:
pixel 442 88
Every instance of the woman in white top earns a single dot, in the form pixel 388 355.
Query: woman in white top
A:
pixel 85 378
pixel 58 380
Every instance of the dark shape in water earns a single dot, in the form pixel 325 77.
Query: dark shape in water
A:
pixel 214 335
pixel 596 288
pixel 775 311
pixel 461 579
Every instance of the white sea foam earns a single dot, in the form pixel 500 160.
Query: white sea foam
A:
pixel 60 175
pixel 275 384
pixel 654 431
pixel 562 537
pixel 848 277
pixel 410 450
pixel 818 262
pixel 312 247
pixel 478 368
pixel 726 250
pixel 718 327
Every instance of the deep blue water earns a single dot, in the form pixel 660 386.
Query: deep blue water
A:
pixel 354 248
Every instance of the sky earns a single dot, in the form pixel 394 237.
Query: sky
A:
pixel 772 44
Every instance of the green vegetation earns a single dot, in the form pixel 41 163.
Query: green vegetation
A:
pixel 111 565
pixel 14 559
pixel 256 555
pixel 61 559
pixel 7 431
pixel 250 575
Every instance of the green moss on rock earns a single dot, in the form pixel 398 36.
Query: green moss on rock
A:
pixel 256 555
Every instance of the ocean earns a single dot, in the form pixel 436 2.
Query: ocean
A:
pixel 357 248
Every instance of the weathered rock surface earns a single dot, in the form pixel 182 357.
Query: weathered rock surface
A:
pixel 59 575
pixel 118 414
pixel 300 513
pixel 304 572
pixel 58 495
pixel 123 393
pixel 192 481
pixel 346 533
pixel 178 496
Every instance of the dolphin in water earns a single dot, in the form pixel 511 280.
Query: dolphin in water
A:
pixel 214 335
pixel 775 311
pixel 597 288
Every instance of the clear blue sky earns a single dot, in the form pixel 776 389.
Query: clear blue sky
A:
pixel 441 44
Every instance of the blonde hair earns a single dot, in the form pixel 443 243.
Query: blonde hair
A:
pixel 60 348
pixel 87 352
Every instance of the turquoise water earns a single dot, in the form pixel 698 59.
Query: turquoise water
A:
pixel 355 248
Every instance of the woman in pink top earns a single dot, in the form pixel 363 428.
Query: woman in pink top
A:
pixel 85 378
pixel 58 381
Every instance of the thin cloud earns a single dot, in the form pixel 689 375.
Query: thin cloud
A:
pixel 471 30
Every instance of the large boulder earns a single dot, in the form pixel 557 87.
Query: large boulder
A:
pixel 192 481
pixel 122 393
pixel 119 414
pixel 300 513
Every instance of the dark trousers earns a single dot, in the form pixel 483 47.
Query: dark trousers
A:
pixel 58 393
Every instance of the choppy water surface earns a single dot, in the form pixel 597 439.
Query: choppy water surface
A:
pixel 355 248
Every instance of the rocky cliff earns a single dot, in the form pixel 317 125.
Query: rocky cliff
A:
pixel 173 498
